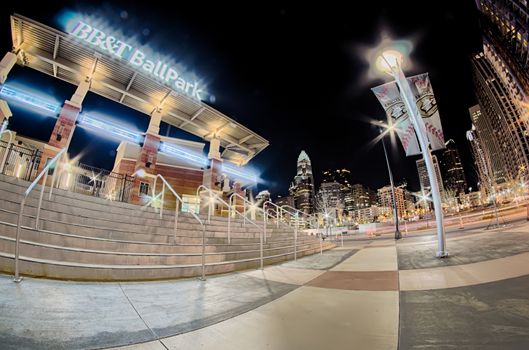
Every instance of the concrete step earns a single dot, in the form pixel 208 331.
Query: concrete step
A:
pixel 73 214
pixel 88 256
pixel 87 238
pixel 101 272
pixel 123 246
pixel 14 186
pixel 108 232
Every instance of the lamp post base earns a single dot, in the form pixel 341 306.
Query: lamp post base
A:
pixel 442 254
pixel 398 235
pixel 17 279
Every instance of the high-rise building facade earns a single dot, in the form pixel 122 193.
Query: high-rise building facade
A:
pixel 343 178
pixel 302 189
pixel 498 122
pixel 286 200
pixel 454 178
pixel 329 200
pixel 423 175
pixel 361 197
pixel 505 25
pixel 488 148
pixel 502 86
pixel 385 199
pixel 483 167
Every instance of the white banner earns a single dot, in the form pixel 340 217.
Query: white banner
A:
pixel 427 106
pixel 389 97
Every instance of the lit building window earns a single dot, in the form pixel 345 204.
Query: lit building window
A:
pixel 144 188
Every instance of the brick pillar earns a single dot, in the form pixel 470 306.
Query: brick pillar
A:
pixel 62 132
pixel 212 177
pixel 146 160
pixel 64 127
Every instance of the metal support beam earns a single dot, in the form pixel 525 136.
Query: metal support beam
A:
pixel 128 87
pixel 55 51
pixel 193 117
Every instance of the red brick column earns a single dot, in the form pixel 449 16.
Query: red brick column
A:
pixel 146 161
pixel 62 132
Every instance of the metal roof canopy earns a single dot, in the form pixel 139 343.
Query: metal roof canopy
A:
pixel 58 54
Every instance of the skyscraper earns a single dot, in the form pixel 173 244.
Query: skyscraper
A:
pixel 361 197
pixel 505 31
pixel 385 199
pixel 498 123
pixel 453 174
pixel 302 189
pixel 423 174
pixel 481 159
pixel 329 199
pixel 343 178
pixel 502 86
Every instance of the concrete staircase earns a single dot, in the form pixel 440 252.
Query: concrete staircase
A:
pixel 88 238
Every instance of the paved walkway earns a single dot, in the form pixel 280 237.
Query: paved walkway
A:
pixel 366 295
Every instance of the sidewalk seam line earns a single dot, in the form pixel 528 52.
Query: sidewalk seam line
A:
pixel 141 318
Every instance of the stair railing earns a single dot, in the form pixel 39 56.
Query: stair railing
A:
pixel 179 201
pixel 252 206
pixel 43 173
pixel 216 197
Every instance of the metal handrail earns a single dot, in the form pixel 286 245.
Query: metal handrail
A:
pixel 253 206
pixel 279 213
pixel 4 158
pixel 177 201
pixel 295 213
pixel 217 197
pixel 295 226
pixel 44 173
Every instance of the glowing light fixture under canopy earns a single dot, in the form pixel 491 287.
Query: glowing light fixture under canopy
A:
pixel 94 123
pixel 183 153
pixel 240 173
pixel 29 100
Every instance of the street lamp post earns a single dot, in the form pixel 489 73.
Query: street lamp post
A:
pixel 391 59
pixel 398 235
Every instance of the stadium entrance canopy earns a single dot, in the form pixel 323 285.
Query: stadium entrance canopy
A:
pixel 143 86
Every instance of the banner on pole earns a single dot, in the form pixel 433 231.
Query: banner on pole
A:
pixel 422 89
pixel 389 97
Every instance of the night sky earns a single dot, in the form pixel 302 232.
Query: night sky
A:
pixel 295 75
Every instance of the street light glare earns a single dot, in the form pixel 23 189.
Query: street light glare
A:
pixel 389 60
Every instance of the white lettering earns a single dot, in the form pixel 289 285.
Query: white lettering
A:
pixel 180 83
pixel 157 68
pixel 162 71
pixel 96 38
pixel 81 30
pixel 148 66
pixel 119 48
pixel 188 85
pixel 137 58
pixel 197 92
pixel 171 75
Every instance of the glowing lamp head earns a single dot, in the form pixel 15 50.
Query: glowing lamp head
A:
pixel 388 61
pixel 140 173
